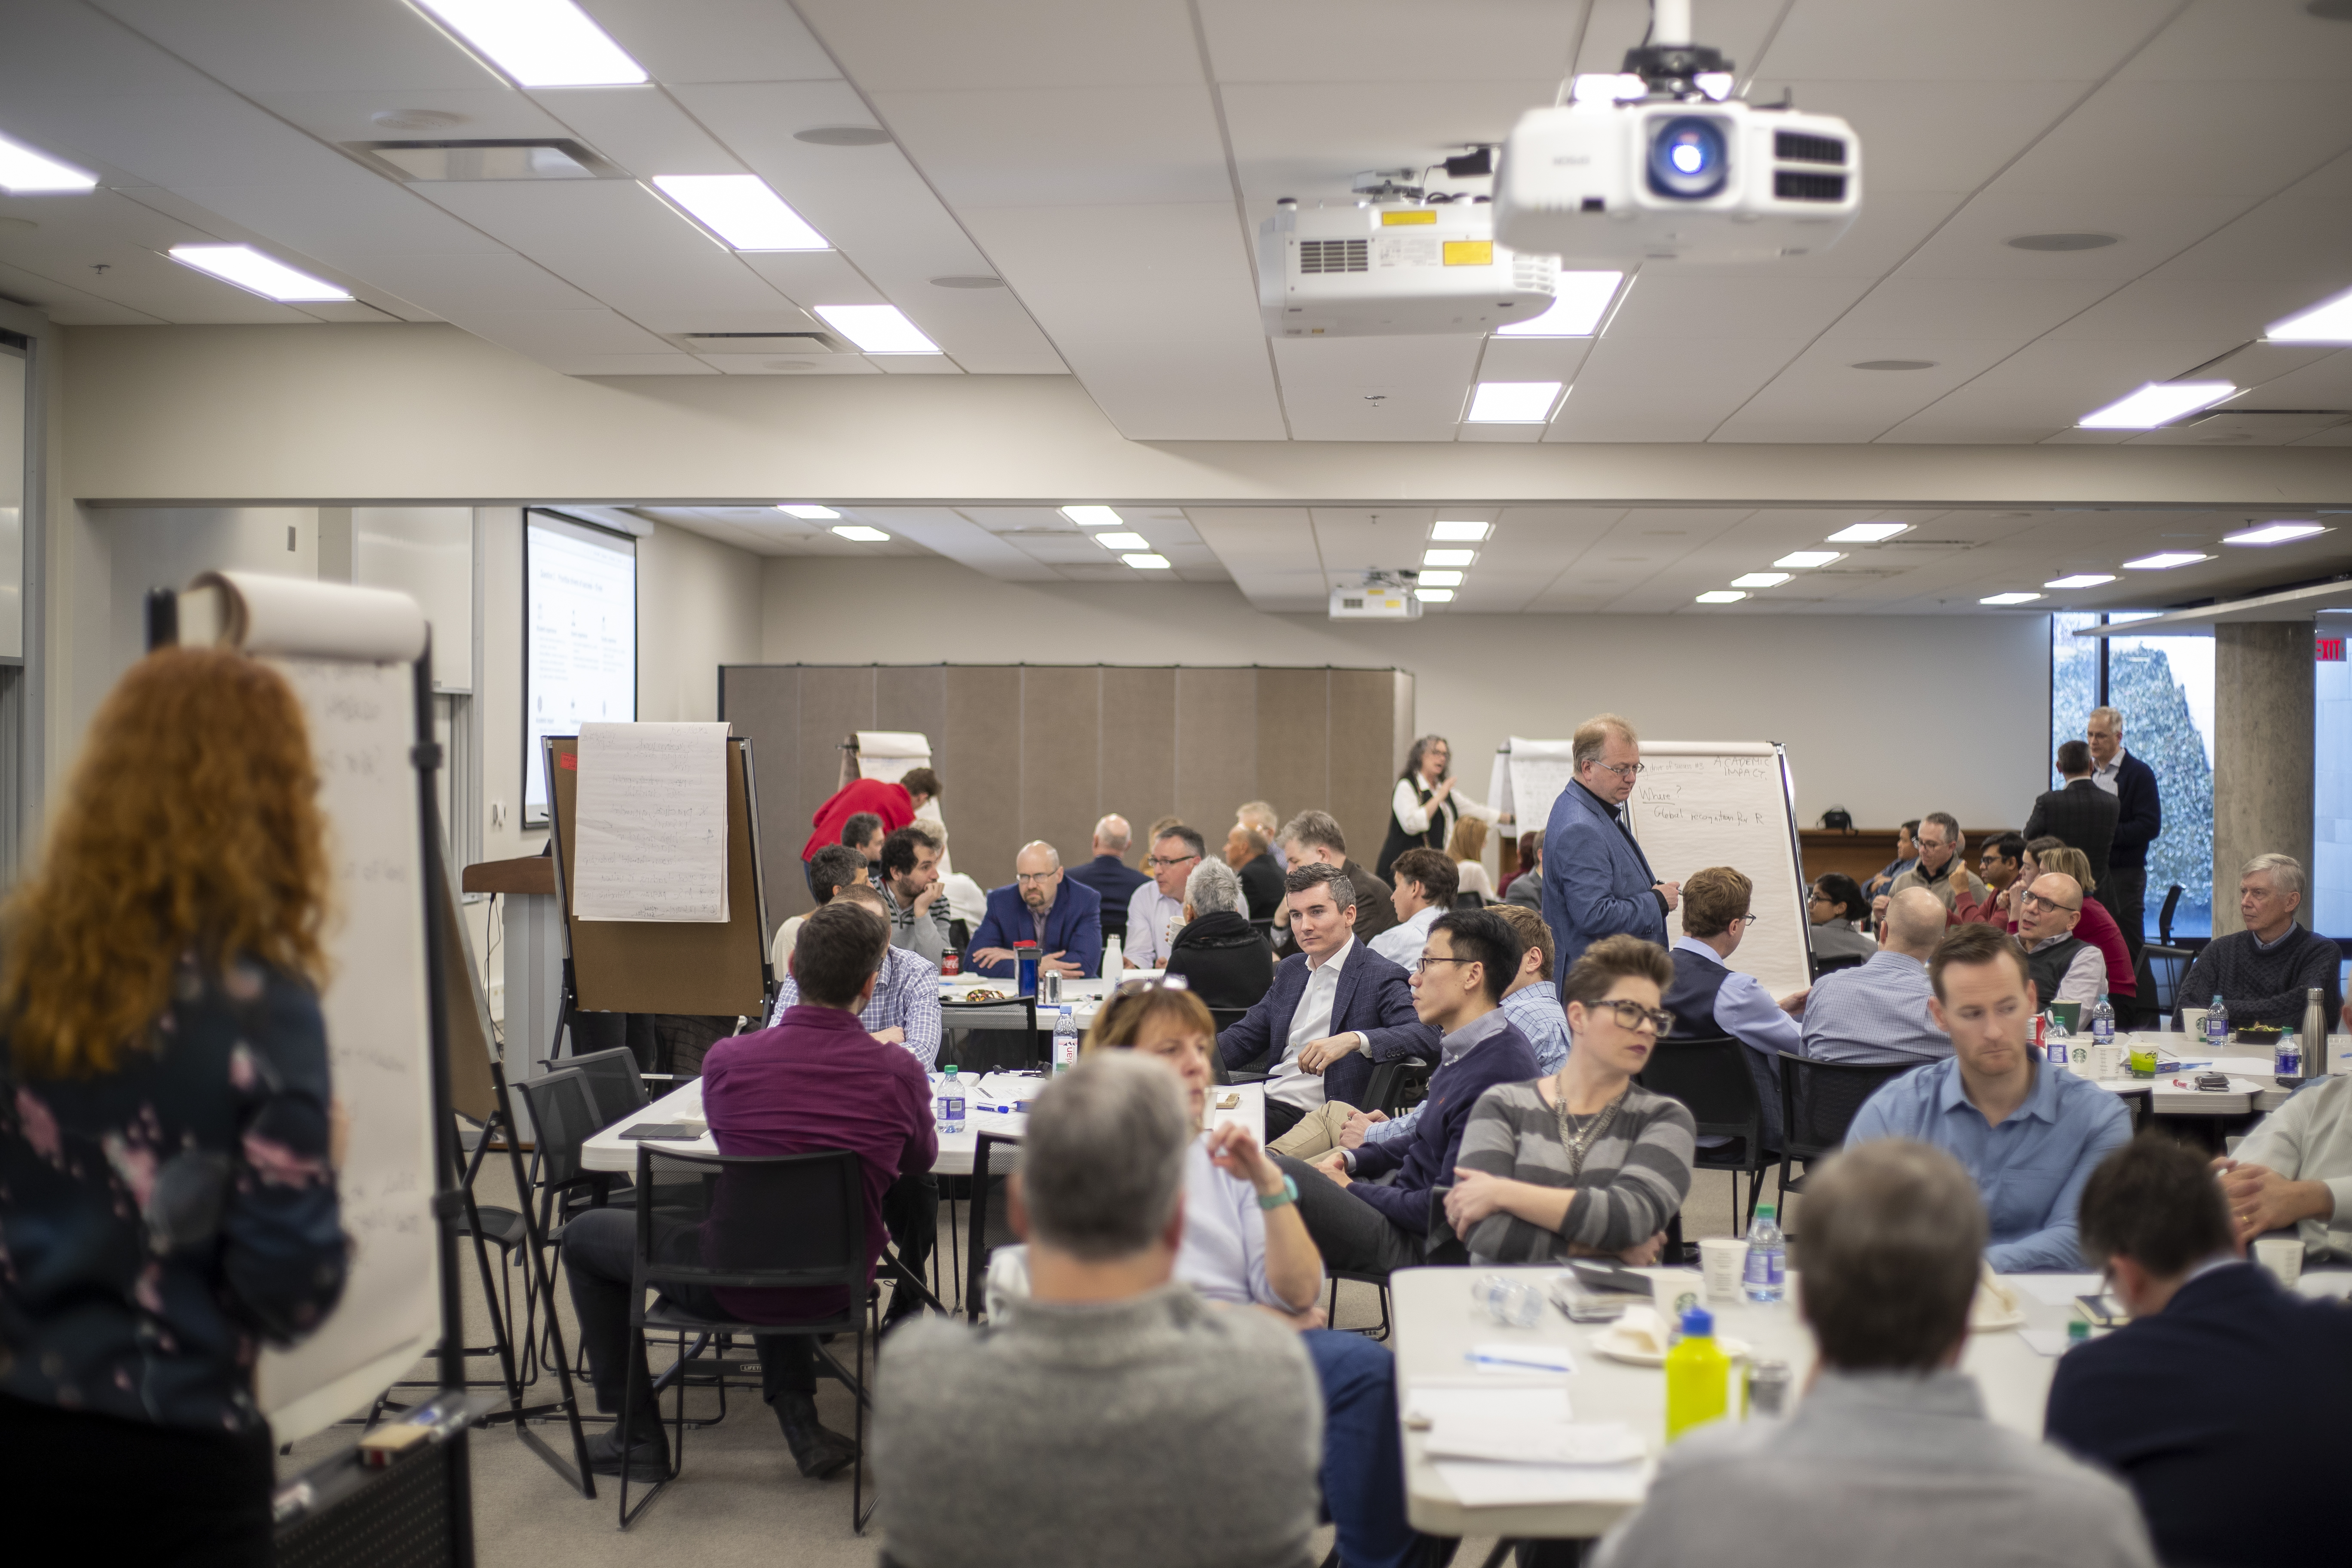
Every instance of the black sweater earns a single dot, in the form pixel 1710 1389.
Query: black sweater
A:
pixel 2264 987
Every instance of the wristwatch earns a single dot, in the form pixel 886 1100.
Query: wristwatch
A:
pixel 1289 1194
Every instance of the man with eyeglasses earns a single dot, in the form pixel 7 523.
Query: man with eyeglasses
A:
pixel 1063 917
pixel 1596 880
pixel 1943 868
pixel 1156 909
pixel 2062 965
pixel 1710 998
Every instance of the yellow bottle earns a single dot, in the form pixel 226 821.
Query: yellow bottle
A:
pixel 1698 1376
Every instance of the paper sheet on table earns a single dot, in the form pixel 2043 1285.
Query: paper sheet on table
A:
pixel 1504 1486
pixel 651 820
pixel 2055 1289
pixel 1608 1443
pixel 2044 1342
pixel 1523 1406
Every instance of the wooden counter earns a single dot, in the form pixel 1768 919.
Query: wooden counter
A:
pixel 523 874
pixel 1862 853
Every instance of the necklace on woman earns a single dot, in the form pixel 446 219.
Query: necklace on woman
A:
pixel 1578 1134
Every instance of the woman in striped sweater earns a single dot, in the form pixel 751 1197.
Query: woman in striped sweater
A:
pixel 1586 1162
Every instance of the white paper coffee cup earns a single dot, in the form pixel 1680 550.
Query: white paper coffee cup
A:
pixel 2282 1255
pixel 1723 1259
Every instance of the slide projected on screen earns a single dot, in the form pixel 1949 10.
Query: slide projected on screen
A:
pixel 580 660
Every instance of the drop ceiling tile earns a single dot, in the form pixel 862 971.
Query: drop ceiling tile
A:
pixel 491 109
pixel 2326 384
pixel 1069 146
pixel 1499 435
pixel 625 364
pixel 297 45
pixel 920 44
pixel 2217 41
pixel 1925 40
pixel 491 280
pixel 1949 136
pixel 1374 389
pixel 1309 140
pixel 1534 359
pixel 812 277
pixel 943 533
pixel 2051 385
pixel 1974 244
pixel 1893 225
pixel 66 304
pixel 917 364
pixel 1671 304
pixel 1633 391
pixel 1997 310
pixel 714 40
pixel 642 129
pixel 811 364
pixel 543 335
pixel 2134 139
pixel 1821 398
pixel 1313 41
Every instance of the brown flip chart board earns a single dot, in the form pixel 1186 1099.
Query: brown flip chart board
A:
pixel 715 967
pixel 470 1045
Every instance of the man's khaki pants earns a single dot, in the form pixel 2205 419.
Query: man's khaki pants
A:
pixel 1317 1132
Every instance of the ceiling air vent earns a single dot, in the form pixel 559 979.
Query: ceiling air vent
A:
pixel 1335 256
pixel 761 343
pixel 432 162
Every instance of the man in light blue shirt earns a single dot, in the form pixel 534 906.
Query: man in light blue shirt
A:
pixel 1878 1011
pixel 2029 1133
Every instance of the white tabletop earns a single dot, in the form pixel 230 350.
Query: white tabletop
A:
pixel 1083 997
pixel 1437 1323
pixel 2252 1085
pixel 988 1110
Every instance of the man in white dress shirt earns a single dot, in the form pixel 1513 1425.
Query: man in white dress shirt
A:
pixel 1425 885
pixel 1156 909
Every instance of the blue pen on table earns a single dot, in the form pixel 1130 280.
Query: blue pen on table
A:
pixel 1477 1360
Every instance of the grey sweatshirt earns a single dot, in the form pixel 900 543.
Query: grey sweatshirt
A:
pixel 1157 1432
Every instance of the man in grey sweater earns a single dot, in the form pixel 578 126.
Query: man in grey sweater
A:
pixel 1124 1419
pixel 1890 1457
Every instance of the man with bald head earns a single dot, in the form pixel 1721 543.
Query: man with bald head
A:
pixel 1878 1011
pixel 1108 874
pixel 1042 905
pixel 2062 965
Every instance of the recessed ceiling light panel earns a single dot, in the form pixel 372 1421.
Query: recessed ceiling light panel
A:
pixel 2081 580
pixel 1759 580
pixel 1441 579
pixel 451 160
pixel 2165 560
pixel 862 534
pixel 1580 300
pixel 1868 532
pixel 1121 540
pixel 1147 563
pixel 877 329
pixel 2063 241
pixel 25 173
pixel 258 274
pixel 1434 595
pixel 2273 533
pixel 1892 364
pixel 2158 402
pixel 1093 516
pixel 541 43
pixel 1806 560
pixel 809 513
pixel 1465 531
pixel 1448 557
pixel 2329 322
pixel 2009 599
pixel 1721 596
pixel 843 136
pixel 742 211
pixel 1512 402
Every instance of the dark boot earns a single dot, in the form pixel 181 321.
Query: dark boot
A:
pixel 819 1453
pixel 646 1455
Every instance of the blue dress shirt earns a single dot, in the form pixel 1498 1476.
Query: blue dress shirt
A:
pixel 1536 1013
pixel 1875 1011
pixel 2030 1170
pixel 906 997
pixel 1747 1011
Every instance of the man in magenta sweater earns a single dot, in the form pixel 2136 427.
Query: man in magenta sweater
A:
pixel 816 1080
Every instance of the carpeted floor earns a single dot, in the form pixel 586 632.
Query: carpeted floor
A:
pixel 739 1499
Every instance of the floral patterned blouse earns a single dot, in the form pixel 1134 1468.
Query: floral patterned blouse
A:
pixel 159 1223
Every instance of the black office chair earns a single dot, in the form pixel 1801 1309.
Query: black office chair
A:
pixel 767 1222
pixel 981 1037
pixel 1471 899
pixel 1226 1018
pixel 1710 1076
pixel 1830 963
pixel 1818 1102
pixel 2164 916
pixel 1392 1086
pixel 2161 971
pixel 1444 1249
pixel 987 1226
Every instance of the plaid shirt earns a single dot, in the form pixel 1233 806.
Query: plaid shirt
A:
pixel 906 997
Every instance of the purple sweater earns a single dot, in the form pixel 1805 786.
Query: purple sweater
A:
pixel 1474 1059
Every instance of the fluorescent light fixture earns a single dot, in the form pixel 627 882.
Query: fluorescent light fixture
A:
pixel 2329 322
pixel 1441 579
pixel 256 273
pixel 2009 599
pixel 1513 402
pixel 1121 541
pixel 1448 557
pixel 25 173
pixel 2165 560
pixel 1608 87
pixel 1578 301
pixel 541 43
pixel 2273 534
pixel 1760 580
pixel 2158 402
pixel 1716 85
pixel 1093 516
pixel 1468 533
pixel 1434 595
pixel 862 534
pixel 2081 580
pixel 1147 563
pixel 742 211
pixel 1805 560
pixel 1721 596
pixel 1868 532
pixel 809 513
pixel 877 329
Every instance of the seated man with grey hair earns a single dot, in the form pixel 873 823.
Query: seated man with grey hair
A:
pixel 2264 972
pixel 1216 950
pixel 1126 1420
pixel 1889 1458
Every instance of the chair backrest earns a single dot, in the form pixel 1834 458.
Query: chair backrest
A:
pixel 1114 921
pixel 1710 1076
pixel 1824 965
pixel 1470 898
pixel 784 1221
pixel 1390 1081
pixel 990 1226
pixel 562 1117
pixel 613 1083
pixel 985 1035
pixel 2167 968
pixel 1819 1099
pixel 2163 917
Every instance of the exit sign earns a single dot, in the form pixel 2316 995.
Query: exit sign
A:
pixel 2328 650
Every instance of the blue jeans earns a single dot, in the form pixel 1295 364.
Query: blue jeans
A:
pixel 1363 1452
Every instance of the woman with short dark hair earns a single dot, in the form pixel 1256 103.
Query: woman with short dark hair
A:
pixel 1835 904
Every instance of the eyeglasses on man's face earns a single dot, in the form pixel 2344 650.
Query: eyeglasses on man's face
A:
pixel 1429 958
pixel 1623 770
pixel 2050 906
pixel 1634 1016
pixel 1036 878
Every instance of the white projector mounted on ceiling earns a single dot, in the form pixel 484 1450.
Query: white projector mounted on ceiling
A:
pixel 1667 170
pixel 1394 269
pixel 1381 598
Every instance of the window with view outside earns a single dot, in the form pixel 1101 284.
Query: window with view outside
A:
pixel 2331 804
pixel 2074 680
pixel 2164 687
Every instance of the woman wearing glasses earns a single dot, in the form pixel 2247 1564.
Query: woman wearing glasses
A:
pixel 1426 806
pixel 1585 1162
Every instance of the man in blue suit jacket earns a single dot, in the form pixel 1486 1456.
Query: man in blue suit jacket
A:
pixel 2226 1402
pixel 1335 1008
pixel 1042 905
pixel 1596 880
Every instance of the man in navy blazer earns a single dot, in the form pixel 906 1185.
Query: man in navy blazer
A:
pixel 1042 905
pixel 1335 1008
pixel 1596 880
pixel 2226 1402
pixel 2139 818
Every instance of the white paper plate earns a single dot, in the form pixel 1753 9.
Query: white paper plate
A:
pixel 1634 1353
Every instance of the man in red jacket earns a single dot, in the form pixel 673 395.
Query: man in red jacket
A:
pixel 895 802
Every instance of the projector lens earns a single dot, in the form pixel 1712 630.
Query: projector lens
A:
pixel 1690 157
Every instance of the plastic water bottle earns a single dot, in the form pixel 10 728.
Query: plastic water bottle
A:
pixel 1516 1302
pixel 1066 1041
pixel 1698 1374
pixel 1768 1258
pixel 2061 1044
pixel 951 1102
pixel 2103 1021
pixel 2217 1027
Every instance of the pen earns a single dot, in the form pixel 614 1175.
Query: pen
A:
pixel 1477 1359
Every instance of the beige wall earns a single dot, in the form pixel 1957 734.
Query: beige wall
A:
pixel 698 607
pixel 1887 718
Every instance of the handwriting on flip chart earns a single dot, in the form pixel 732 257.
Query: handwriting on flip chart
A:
pixel 651 823
pixel 1702 808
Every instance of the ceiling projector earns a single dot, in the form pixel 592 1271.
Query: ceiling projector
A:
pixel 1385 596
pixel 1388 269
pixel 1660 166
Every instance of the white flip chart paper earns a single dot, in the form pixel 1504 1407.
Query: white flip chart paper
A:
pixel 651 822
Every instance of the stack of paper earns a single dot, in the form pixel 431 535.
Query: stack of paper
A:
pixel 1503 1446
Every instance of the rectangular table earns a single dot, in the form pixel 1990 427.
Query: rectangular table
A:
pixel 1437 1323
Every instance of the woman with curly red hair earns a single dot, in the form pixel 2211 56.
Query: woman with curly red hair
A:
pixel 167 1193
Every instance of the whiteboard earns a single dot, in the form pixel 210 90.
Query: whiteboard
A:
pixel 332 644
pixel 1730 803
pixel 1528 777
